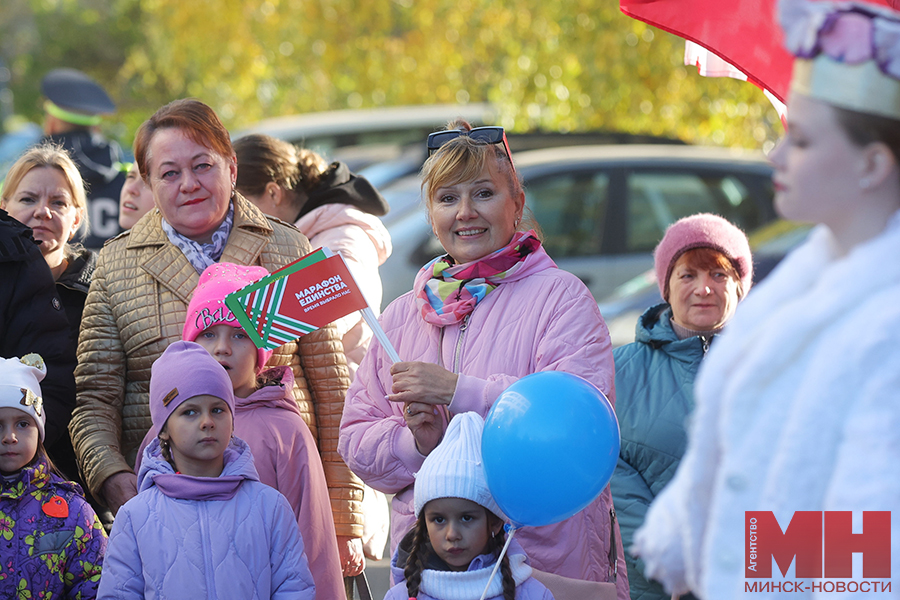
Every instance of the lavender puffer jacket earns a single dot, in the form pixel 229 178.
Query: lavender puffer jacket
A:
pixel 247 547
pixel 540 319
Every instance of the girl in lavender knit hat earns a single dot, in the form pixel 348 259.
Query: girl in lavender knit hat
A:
pixel 266 417
pixel 202 524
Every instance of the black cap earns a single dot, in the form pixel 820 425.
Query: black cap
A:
pixel 71 89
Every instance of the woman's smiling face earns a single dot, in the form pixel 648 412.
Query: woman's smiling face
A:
pixel 473 218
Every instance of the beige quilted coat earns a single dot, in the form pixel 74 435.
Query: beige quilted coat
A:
pixel 136 307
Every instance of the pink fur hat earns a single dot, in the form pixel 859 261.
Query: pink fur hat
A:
pixel 207 306
pixel 703 231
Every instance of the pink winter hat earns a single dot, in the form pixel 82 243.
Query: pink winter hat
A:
pixel 185 370
pixel 207 306
pixel 703 231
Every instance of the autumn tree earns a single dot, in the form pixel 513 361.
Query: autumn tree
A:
pixel 572 65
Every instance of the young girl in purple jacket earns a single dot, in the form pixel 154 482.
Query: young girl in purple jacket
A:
pixel 51 542
pixel 266 417
pixel 202 524
pixel 453 548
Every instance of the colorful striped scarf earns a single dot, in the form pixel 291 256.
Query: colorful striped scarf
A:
pixel 447 292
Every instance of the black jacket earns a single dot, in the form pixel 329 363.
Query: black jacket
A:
pixel 32 319
pixel 72 287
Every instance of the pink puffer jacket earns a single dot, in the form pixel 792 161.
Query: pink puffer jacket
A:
pixel 365 244
pixel 541 319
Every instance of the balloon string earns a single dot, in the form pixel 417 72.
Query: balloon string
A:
pixel 509 538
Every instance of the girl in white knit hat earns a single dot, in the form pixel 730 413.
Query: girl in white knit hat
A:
pixel 451 551
pixel 51 541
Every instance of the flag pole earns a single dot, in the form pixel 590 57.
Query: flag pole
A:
pixel 512 532
pixel 380 335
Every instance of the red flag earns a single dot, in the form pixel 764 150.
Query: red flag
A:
pixel 745 33
pixel 307 294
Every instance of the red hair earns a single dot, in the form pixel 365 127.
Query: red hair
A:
pixel 198 121
pixel 707 259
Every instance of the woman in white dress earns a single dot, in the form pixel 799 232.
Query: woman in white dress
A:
pixel 798 404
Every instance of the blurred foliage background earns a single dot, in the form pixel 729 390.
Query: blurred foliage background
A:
pixel 568 65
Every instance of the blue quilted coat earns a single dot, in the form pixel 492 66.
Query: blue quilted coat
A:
pixel 654 396
pixel 51 543
pixel 247 547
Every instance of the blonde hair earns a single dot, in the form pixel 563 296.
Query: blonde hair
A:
pixel 463 159
pixel 52 155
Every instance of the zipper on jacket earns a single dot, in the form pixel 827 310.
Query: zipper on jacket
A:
pixel 463 327
pixel 613 548
pixel 705 341
pixel 206 547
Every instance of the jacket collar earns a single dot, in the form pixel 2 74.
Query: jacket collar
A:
pixel 80 271
pixel 170 267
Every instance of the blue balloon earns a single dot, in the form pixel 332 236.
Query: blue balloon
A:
pixel 549 447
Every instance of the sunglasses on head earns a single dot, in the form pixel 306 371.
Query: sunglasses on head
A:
pixel 487 135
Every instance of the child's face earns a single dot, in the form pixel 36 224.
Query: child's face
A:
pixel 234 351
pixel 198 433
pixel 19 438
pixel 458 529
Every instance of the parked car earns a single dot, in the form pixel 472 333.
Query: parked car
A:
pixel 622 309
pixel 409 160
pixel 366 136
pixel 602 208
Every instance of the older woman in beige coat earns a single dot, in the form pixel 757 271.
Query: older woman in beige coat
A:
pixel 138 299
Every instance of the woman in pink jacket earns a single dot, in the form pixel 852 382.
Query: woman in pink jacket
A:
pixel 493 309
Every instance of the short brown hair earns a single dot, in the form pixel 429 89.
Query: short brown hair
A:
pixel 263 159
pixel 199 122
pixel 707 259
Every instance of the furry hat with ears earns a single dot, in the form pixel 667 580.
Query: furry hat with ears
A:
pixel 20 387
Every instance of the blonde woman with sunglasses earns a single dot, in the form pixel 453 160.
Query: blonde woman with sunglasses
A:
pixel 491 310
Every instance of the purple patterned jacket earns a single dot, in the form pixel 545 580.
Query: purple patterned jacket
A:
pixel 51 542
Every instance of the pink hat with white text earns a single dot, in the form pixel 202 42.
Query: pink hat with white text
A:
pixel 207 306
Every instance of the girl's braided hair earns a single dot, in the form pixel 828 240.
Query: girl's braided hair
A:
pixel 418 556
pixel 418 553
pixel 497 543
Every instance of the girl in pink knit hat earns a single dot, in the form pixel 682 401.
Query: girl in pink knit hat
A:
pixel 267 417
